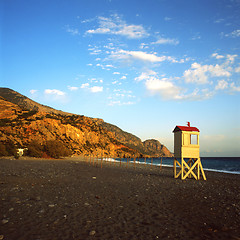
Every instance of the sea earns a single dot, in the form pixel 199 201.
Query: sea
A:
pixel 216 164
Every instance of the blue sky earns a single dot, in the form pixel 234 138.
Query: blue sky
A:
pixel 145 66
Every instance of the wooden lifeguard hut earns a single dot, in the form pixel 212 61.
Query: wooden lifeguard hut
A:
pixel 186 153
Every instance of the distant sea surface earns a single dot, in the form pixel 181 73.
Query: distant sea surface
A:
pixel 216 164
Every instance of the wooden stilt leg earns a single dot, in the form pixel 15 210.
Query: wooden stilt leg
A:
pixel 182 169
pixel 174 168
pixel 198 169
pixel 204 177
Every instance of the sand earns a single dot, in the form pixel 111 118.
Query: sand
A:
pixel 71 199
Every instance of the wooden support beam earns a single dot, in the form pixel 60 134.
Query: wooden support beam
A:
pixel 190 170
pixel 200 164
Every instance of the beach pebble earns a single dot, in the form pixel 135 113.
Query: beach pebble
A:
pixel 42 211
pixel 11 209
pixel 1 237
pixel 4 221
pixel 92 233
pixel 51 205
pixel 94 177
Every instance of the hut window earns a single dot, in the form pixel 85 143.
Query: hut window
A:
pixel 193 139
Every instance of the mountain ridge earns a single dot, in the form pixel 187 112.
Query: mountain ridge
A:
pixel 24 121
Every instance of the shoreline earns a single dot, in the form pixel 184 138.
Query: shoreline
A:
pixel 85 159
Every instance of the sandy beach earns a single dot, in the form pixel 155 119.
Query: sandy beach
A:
pixel 72 199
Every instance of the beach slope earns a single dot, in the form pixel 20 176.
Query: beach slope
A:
pixel 73 199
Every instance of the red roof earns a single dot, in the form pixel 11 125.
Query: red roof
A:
pixel 185 128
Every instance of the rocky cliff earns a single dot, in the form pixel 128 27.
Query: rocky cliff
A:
pixel 24 122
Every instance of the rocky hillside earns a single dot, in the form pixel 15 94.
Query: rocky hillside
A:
pixel 25 123
pixel 26 103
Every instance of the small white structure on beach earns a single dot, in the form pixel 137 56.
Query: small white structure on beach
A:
pixel 20 151
pixel 186 147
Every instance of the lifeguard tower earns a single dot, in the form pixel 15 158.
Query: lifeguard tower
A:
pixel 186 152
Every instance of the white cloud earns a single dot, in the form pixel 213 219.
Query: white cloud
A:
pixel 165 88
pixel 145 75
pixel 33 91
pixel 73 31
pixel 139 55
pixel 116 73
pixel 200 73
pixel 168 90
pixel 143 46
pixel 166 41
pixel 116 26
pixel 96 89
pixel 120 103
pixel 219 20
pixel 99 30
pixel 94 51
pixel 132 31
pixel 72 88
pixel 85 85
pixel 196 36
pixel 230 58
pixel 233 34
pixel 234 88
pixel 123 77
pixel 217 56
pixel 109 66
pixel 222 84
pixel 54 92
pixel 237 69
pixel 167 19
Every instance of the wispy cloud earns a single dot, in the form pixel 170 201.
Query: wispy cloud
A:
pixel 237 69
pixel 33 91
pixel 217 56
pixel 85 85
pixel 220 20
pixel 54 92
pixel 121 97
pixel 72 88
pixel 120 103
pixel 165 88
pixel 200 73
pixel 73 31
pixel 197 81
pixel 55 95
pixel 222 84
pixel 233 34
pixel 140 55
pixel 167 19
pixel 234 88
pixel 196 36
pixel 96 89
pixel 166 41
pixel 114 25
pixel 93 89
